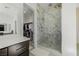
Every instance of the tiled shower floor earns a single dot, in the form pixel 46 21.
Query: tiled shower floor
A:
pixel 43 51
pixel 51 44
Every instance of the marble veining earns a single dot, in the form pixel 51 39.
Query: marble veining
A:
pixel 49 26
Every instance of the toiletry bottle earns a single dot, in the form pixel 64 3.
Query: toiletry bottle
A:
pixel 27 31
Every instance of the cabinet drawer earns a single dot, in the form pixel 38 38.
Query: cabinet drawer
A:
pixel 21 45
pixel 21 50
pixel 3 52
pixel 25 53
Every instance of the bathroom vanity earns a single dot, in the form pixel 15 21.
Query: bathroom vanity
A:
pixel 14 45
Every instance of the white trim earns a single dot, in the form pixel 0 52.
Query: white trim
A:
pixel 33 7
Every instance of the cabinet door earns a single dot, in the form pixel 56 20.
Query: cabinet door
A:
pixel 25 53
pixel 19 49
pixel 3 52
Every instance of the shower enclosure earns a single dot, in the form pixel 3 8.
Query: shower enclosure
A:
pixel 49 25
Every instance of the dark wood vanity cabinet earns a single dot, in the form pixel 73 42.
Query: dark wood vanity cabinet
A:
pixel 20 49
pixel 3 52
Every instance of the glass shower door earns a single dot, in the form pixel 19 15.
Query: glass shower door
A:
pixel 49 26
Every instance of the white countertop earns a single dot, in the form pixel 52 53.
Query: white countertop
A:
pixel 8 40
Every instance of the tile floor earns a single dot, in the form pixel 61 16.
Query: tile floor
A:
pixel 43 51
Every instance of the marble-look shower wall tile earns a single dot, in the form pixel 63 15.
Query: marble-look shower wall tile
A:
pixel 49 26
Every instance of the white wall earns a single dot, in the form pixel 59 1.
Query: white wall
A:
pixel 10 14
pixel 20 20
pixel 69 29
